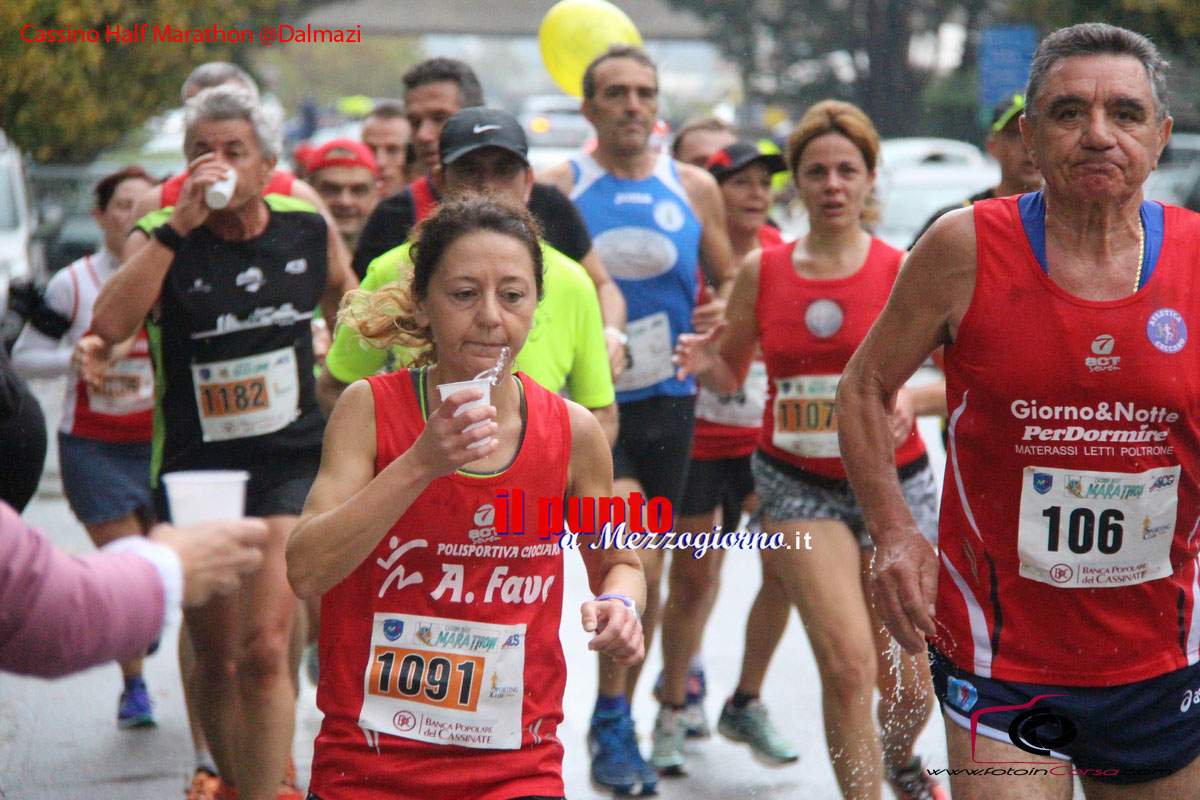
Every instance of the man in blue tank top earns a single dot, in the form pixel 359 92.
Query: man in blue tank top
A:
pixel 659 227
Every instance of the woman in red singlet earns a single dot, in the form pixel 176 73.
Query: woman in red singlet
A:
pixel 808 305
pixel 442 673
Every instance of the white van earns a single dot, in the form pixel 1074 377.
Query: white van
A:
pixel 21 257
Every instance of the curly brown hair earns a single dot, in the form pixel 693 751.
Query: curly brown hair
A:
pixel 387 317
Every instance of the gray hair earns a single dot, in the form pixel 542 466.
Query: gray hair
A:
pixel 1096 39
pixel 217 73
pixel 229 102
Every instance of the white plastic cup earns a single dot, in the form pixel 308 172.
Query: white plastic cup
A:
pixel 207 495
pixel 218 195
pixel 482 384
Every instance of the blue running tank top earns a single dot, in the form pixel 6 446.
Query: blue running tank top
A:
pixel 648 237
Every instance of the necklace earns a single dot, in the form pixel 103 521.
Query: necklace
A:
pixel 1137 280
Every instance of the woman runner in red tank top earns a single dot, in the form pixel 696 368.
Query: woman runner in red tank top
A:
pixel 809 305
pixel 442 674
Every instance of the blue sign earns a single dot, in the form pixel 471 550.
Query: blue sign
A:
pixel 1005 53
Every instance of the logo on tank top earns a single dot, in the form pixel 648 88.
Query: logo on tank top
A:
pixel 668 215
pixel 1102 359
pixel 485 525
pixel 633 253
pixel 823 318
pixel 1166 330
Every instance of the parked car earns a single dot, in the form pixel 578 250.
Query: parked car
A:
pixel 922 151
pixel 554 121
pixel 910 195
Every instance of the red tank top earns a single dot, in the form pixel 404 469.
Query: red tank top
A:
pixel 280 182
pixel 808 330
pixel 728 426
pixel 424 200
pixel 122 409
pixel 1070 510
pixel 440 653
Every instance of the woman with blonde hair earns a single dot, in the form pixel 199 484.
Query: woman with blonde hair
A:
pixel 809 304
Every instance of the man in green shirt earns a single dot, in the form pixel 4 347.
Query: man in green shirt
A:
pixel 485 149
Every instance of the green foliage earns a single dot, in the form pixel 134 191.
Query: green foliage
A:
pixel 67 101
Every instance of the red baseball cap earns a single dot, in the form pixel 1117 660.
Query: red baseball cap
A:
pixel 341 153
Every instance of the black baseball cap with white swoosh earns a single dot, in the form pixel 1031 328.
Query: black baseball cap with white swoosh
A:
pixel 474 128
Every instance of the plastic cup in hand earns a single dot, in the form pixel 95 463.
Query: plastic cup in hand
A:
pixel 484 382
pixel 206 495
pixel 218 195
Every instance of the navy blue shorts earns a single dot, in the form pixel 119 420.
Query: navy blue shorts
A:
pixel 1126 734
pixel 104 481
pixel 654 445
pixel 723 483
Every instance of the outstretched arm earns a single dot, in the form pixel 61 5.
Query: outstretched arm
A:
pixel 926 305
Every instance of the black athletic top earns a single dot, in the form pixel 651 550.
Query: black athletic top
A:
pixel 393 218
pixel 232 345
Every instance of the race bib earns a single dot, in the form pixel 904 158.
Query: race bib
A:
pixel 647 353
pixel 1092 530
pixel 805 422
pixel 445 681
pixel 743 408
pixel 247 396
pixel 128 389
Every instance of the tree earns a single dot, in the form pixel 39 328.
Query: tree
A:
pixel 799 51
pixel 66 101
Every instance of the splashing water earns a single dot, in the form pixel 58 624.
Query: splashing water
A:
pixel 492 374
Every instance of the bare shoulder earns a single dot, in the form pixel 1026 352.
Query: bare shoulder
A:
pixel 586 432
pixel 353 417
pixel 560 176
pixel 698 183
pixel 940 269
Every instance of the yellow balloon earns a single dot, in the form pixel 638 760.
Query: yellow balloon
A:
pixel 574 32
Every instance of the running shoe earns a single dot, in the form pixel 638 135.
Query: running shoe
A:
pixel 135 710
pixel 913 783
pixel 751 725
pixel 205 785
pixel 666 753
pixel 616 762
pixel 695 721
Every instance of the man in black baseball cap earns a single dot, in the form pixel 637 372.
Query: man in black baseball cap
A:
pixel 1018 173
pixel 474 129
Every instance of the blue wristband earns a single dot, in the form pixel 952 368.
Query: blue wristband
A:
pixel 625 600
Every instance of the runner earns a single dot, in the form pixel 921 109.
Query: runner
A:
pixel 387 132
pixel 1066 591
pixel 104 432
pixel 566 348
pixel 344 173
pixel 390 539
pixel 231 293
pixel 719 479
pixel 809 304
pixel 656 223
pixel 436 90
pixel 698 139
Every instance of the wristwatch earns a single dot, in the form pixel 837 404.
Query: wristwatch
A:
pixel 622 337
pixel 625 600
